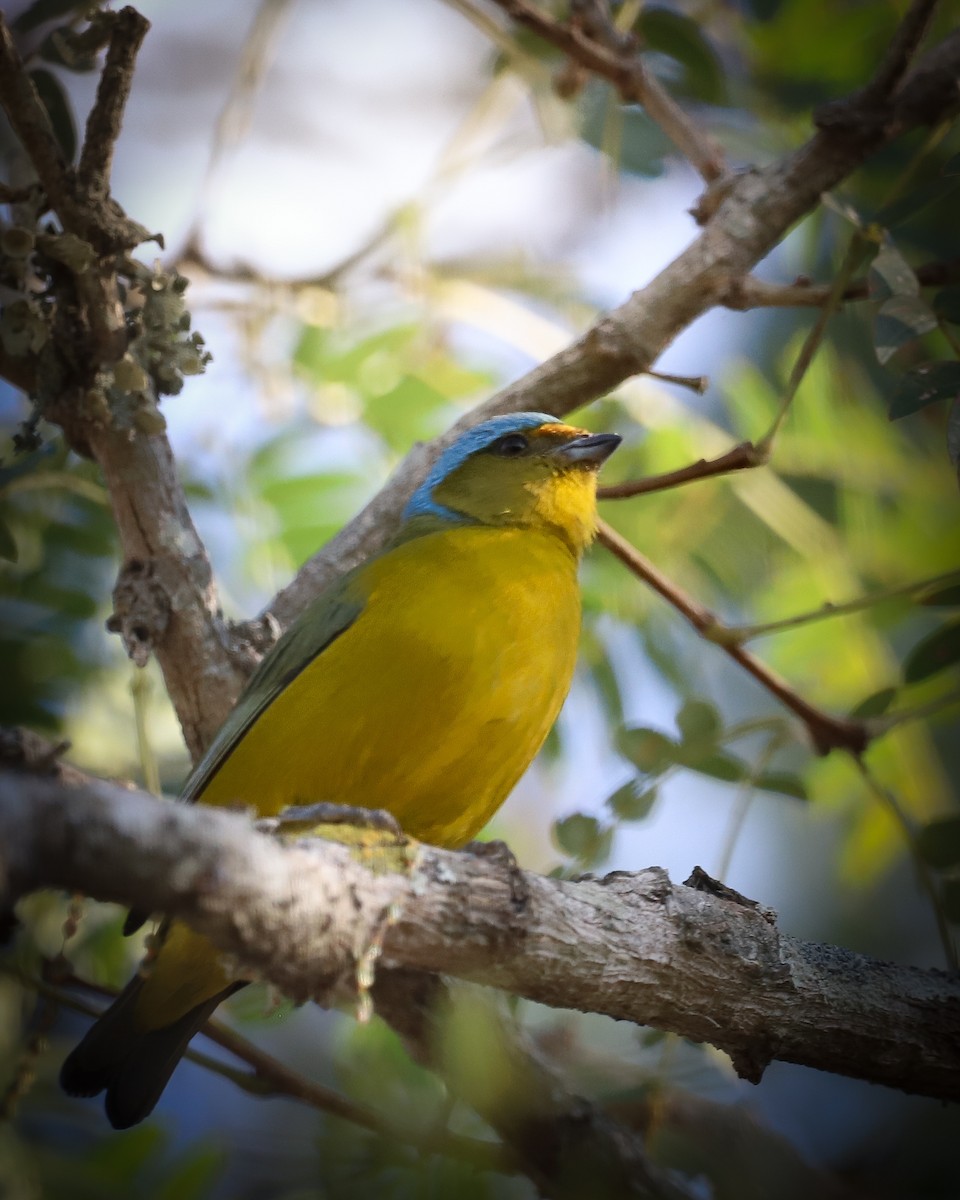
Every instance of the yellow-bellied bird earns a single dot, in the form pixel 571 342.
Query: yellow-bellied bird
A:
pixel 424 682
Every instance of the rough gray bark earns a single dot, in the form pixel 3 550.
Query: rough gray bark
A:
pixel 313 920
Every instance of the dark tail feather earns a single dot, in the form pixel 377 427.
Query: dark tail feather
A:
pixel 132 1064
pixel 133 921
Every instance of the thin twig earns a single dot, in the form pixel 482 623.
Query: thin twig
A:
pixel 31 124
pixel 742 293
pixel 695 383
pixel 901 716
pixel 739 458
pixel 746 793
pixel 750 292
pixel 104 225
pixel 627 73
pixel 811 343
pixel 273 1078
pixel 127 31
pixel 283 1081
pixel 826 732
pixel 903 46
pixel 746 633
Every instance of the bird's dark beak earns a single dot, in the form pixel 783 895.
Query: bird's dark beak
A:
pixel 590 450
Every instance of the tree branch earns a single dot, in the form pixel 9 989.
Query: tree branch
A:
pixel 270 1077
pixel 738 458
pixel 127 31
pixel 105 226
pixel 613 56
pixel 891 71
pixel 712 967
pixel 826 732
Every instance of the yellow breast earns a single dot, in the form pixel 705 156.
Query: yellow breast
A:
pixel 432 704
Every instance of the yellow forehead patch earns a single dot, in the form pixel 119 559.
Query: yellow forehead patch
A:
pixel 558 432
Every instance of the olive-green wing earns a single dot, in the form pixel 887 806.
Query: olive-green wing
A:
pixel 331 614
pixel 321 623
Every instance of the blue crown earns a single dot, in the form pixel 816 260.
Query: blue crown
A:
pixel 422 503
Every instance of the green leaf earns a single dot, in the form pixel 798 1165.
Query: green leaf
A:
pixel 782 782
pixel 925 385
pixel 576 833
pixel 54 100
pixel 8 543
pixel 67 601
pixel 642 144
pixel 632 803
pixel 583 838
pixel 891 275
pixel 302 500
pixel 698 721
pixel 946 304
pixel 680 38
pixel 934 654
pixel 914 200
pixel 718 766
pixel 648 749
pixel 326 358
pixel 406 413
pixel 952 166
pixel 874 705
pixel 124 1157
pixel 900 320
pixel 939 842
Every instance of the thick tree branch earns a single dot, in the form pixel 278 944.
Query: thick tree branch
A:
pixel 634 946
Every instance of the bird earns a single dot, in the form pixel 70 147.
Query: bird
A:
pixel 423 682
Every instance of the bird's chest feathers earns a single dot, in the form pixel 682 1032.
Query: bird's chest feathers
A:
pixel 488 614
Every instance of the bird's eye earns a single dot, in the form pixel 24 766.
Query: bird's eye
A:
pixel 511 446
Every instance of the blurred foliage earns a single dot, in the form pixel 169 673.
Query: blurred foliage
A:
pixel 60 548
pixel 853 504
